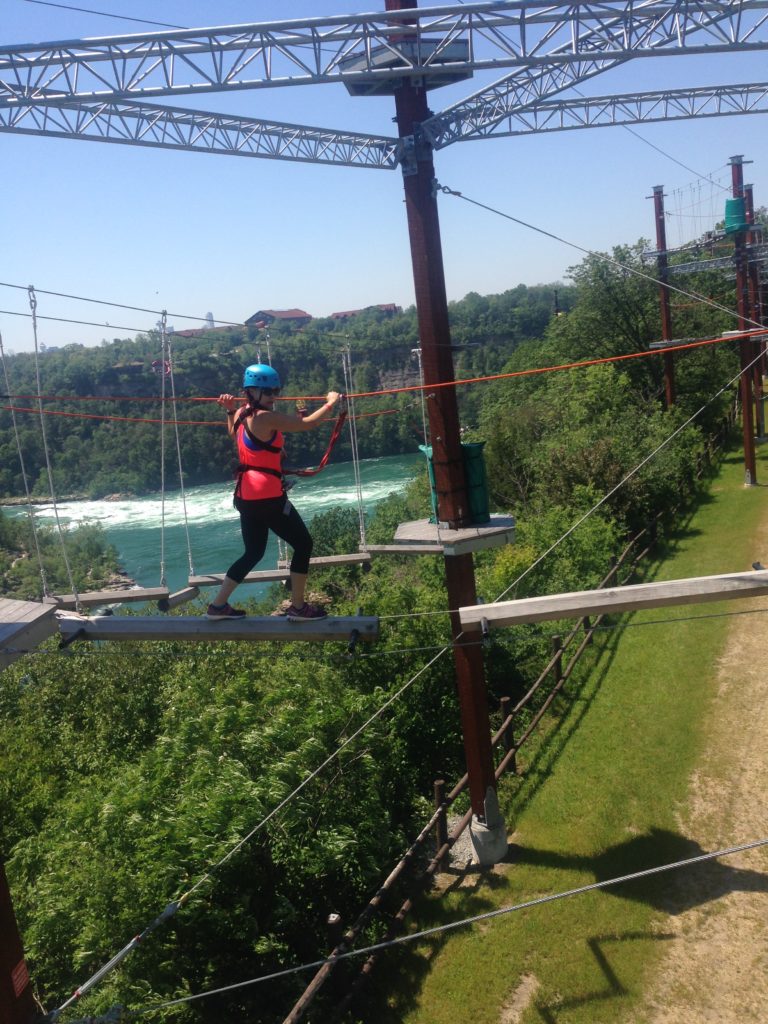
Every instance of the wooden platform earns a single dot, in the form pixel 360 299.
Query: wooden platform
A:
pixel 499 531
pixel 696 590
pixel 281 573
pixel 404 549
pixel 197 627
pixel 93 598
pixel 328 561
pixel 23 625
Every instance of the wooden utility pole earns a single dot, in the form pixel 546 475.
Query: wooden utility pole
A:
pixel 489 832
pixel 662 265
pixel 756 313
pixel 17 1005
pixel 745 346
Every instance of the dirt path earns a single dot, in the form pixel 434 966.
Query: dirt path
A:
pixel 716 967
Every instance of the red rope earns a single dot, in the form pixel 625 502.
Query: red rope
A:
pixel 735 336
pixel 336 433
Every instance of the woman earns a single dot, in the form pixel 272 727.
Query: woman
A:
pixel 260 492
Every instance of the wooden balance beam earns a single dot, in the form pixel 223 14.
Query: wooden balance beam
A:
pixel 197 627
pixel 615 600
pixel 23 625
pixel 281 573
pixel 92 598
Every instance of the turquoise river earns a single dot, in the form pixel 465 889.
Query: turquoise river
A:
pixel 133 525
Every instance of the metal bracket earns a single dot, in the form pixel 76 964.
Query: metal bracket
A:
pixel 354 636
pixel 485 631
pixel 410 150
pixel 65 641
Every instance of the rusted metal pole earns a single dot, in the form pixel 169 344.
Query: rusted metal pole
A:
pixel 745 347
pixel 662 266
pixel 437 363
pixel 755 312
pixel 17 1005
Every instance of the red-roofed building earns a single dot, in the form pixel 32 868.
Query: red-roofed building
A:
pixel 265 317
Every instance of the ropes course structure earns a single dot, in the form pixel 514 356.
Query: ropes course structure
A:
pixel 101 88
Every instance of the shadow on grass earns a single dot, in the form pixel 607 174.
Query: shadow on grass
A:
pixel 613 988
pixel 672 891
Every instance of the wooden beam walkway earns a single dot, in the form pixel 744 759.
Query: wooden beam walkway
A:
pixel 23 625
pixel 616 600
pixel 93 598
pixel 281 573
pixel 197 628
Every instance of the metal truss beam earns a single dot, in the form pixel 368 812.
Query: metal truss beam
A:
pixel 144 124
pixel 553 45
pixel 649 30
pixel 635 108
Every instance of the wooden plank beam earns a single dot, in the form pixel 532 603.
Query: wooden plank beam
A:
pixel 215 579
pixel 616 600
pixel 197 627
pixel 23 625
pixel 179 597
pixel 281 573
pixel 92 598
pixel 405 549
pixel 328 561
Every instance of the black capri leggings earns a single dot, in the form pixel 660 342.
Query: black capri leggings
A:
pixel 257 518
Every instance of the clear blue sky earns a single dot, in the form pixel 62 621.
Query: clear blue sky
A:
pixel 196 233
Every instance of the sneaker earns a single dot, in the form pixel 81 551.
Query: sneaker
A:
pixel 225 611
pixel 306 612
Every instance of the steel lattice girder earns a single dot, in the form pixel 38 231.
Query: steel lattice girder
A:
pixel 657 31
pixel 551 46
pixel 144 124
pixel 636 108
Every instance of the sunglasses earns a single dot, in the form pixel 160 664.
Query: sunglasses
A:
pixel 270 392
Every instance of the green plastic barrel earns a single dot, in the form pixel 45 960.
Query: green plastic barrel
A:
pixel 735 216
pixel 477 481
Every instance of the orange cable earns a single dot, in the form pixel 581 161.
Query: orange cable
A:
pixel 181 423
pixel 734 336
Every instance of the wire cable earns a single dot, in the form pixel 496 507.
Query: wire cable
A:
pixel 120 305
pixel 346 359
pixel 103 14
pixel 27 490
pixel 624 268
pixel 44 438
pixel 442 929
pixel 182 488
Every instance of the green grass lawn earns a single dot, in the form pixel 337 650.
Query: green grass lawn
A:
pixel 600 797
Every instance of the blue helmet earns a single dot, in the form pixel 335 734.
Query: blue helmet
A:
pixel 259 375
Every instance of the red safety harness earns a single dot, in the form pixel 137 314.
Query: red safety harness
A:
pixel 273 449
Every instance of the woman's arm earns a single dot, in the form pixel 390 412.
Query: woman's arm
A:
pixel 269 421
pixel 231 404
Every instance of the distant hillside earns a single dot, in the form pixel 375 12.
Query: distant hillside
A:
pixel 96 457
